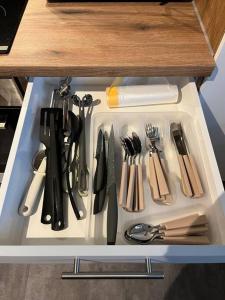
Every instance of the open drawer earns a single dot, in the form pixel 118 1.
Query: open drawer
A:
pixel 27 240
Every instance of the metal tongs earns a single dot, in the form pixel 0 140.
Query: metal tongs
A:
pixel 190 230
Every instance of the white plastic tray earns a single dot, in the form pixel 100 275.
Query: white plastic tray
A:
pixel 124 124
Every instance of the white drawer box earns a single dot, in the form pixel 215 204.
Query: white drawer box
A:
pixel 27 240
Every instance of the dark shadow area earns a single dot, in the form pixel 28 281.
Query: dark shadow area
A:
pixel 199 281
pixel 216 134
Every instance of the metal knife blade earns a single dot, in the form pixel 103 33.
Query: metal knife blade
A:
pixel 177 134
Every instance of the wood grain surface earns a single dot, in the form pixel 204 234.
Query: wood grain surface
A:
pixel 212 13
pixel 108 39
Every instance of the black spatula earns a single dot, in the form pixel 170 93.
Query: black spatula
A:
pixel 52 211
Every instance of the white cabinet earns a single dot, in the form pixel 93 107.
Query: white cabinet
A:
pixel 27 240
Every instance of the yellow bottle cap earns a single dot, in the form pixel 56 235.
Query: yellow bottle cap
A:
pixel 112 96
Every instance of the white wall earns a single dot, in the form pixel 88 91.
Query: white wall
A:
pixel 212 95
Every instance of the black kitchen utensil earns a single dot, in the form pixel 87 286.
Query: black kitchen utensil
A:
pixel 82 166
pixel 87 100
pixel 112 213
pixel 99 201
pixel 100 177
pixel 75 129
pixel 101 166
pixel 50 126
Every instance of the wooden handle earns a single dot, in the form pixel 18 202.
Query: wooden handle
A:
pixel 123 185
pixel 167 199
pixel 187 240
pixel 162 184
pixel 153 180
pixel 191 176
pixel 197 177
pixel 136 191
pixel 140 188
pixel 186 187
pixel 197 230
pixel 130 193
pixel 188 221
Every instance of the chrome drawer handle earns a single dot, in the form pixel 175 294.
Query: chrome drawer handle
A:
pixel 77 274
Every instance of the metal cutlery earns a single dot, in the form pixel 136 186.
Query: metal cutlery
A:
pixel 190 179
pixel 132 175
pixel 139 176
pixel 131 194
pixel 157 175
pixel 191 229
pixel 124 175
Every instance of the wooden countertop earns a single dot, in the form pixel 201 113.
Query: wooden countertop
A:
pixel 108 39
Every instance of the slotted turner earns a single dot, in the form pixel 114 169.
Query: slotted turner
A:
pixel 52 210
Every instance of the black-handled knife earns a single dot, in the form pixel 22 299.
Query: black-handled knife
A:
pixel 112 213
pixel 99 176
pixel 99 201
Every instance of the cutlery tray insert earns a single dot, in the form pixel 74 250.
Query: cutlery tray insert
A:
pixel 124 124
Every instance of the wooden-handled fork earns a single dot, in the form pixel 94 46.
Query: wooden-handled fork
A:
pixel 157 176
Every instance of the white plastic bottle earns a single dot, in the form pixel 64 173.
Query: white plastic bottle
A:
pixel 138 95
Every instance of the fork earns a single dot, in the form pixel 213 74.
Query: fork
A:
pixel 157 178
pixel 124 175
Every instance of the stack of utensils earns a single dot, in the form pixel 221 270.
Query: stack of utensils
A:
pixel 62 165
pixel 190 180
pixel 189 230
pixel 158 180
pixel 131 194
pixel 60 128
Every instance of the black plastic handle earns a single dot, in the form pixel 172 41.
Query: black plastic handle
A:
pixel 99 176
pixel 52 211
pixel 47 207
pixel 82 168
pixel 69 188
pixel 112 215
pixel 56 191
pixel 99 201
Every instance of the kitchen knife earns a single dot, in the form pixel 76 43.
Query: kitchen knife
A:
pixel 182 155
pixel 112 213
pixel 99 201
pixel 100 178
pixel 100 168
pixel 187 164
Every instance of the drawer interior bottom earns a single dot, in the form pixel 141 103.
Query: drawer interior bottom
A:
pixel 17 230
